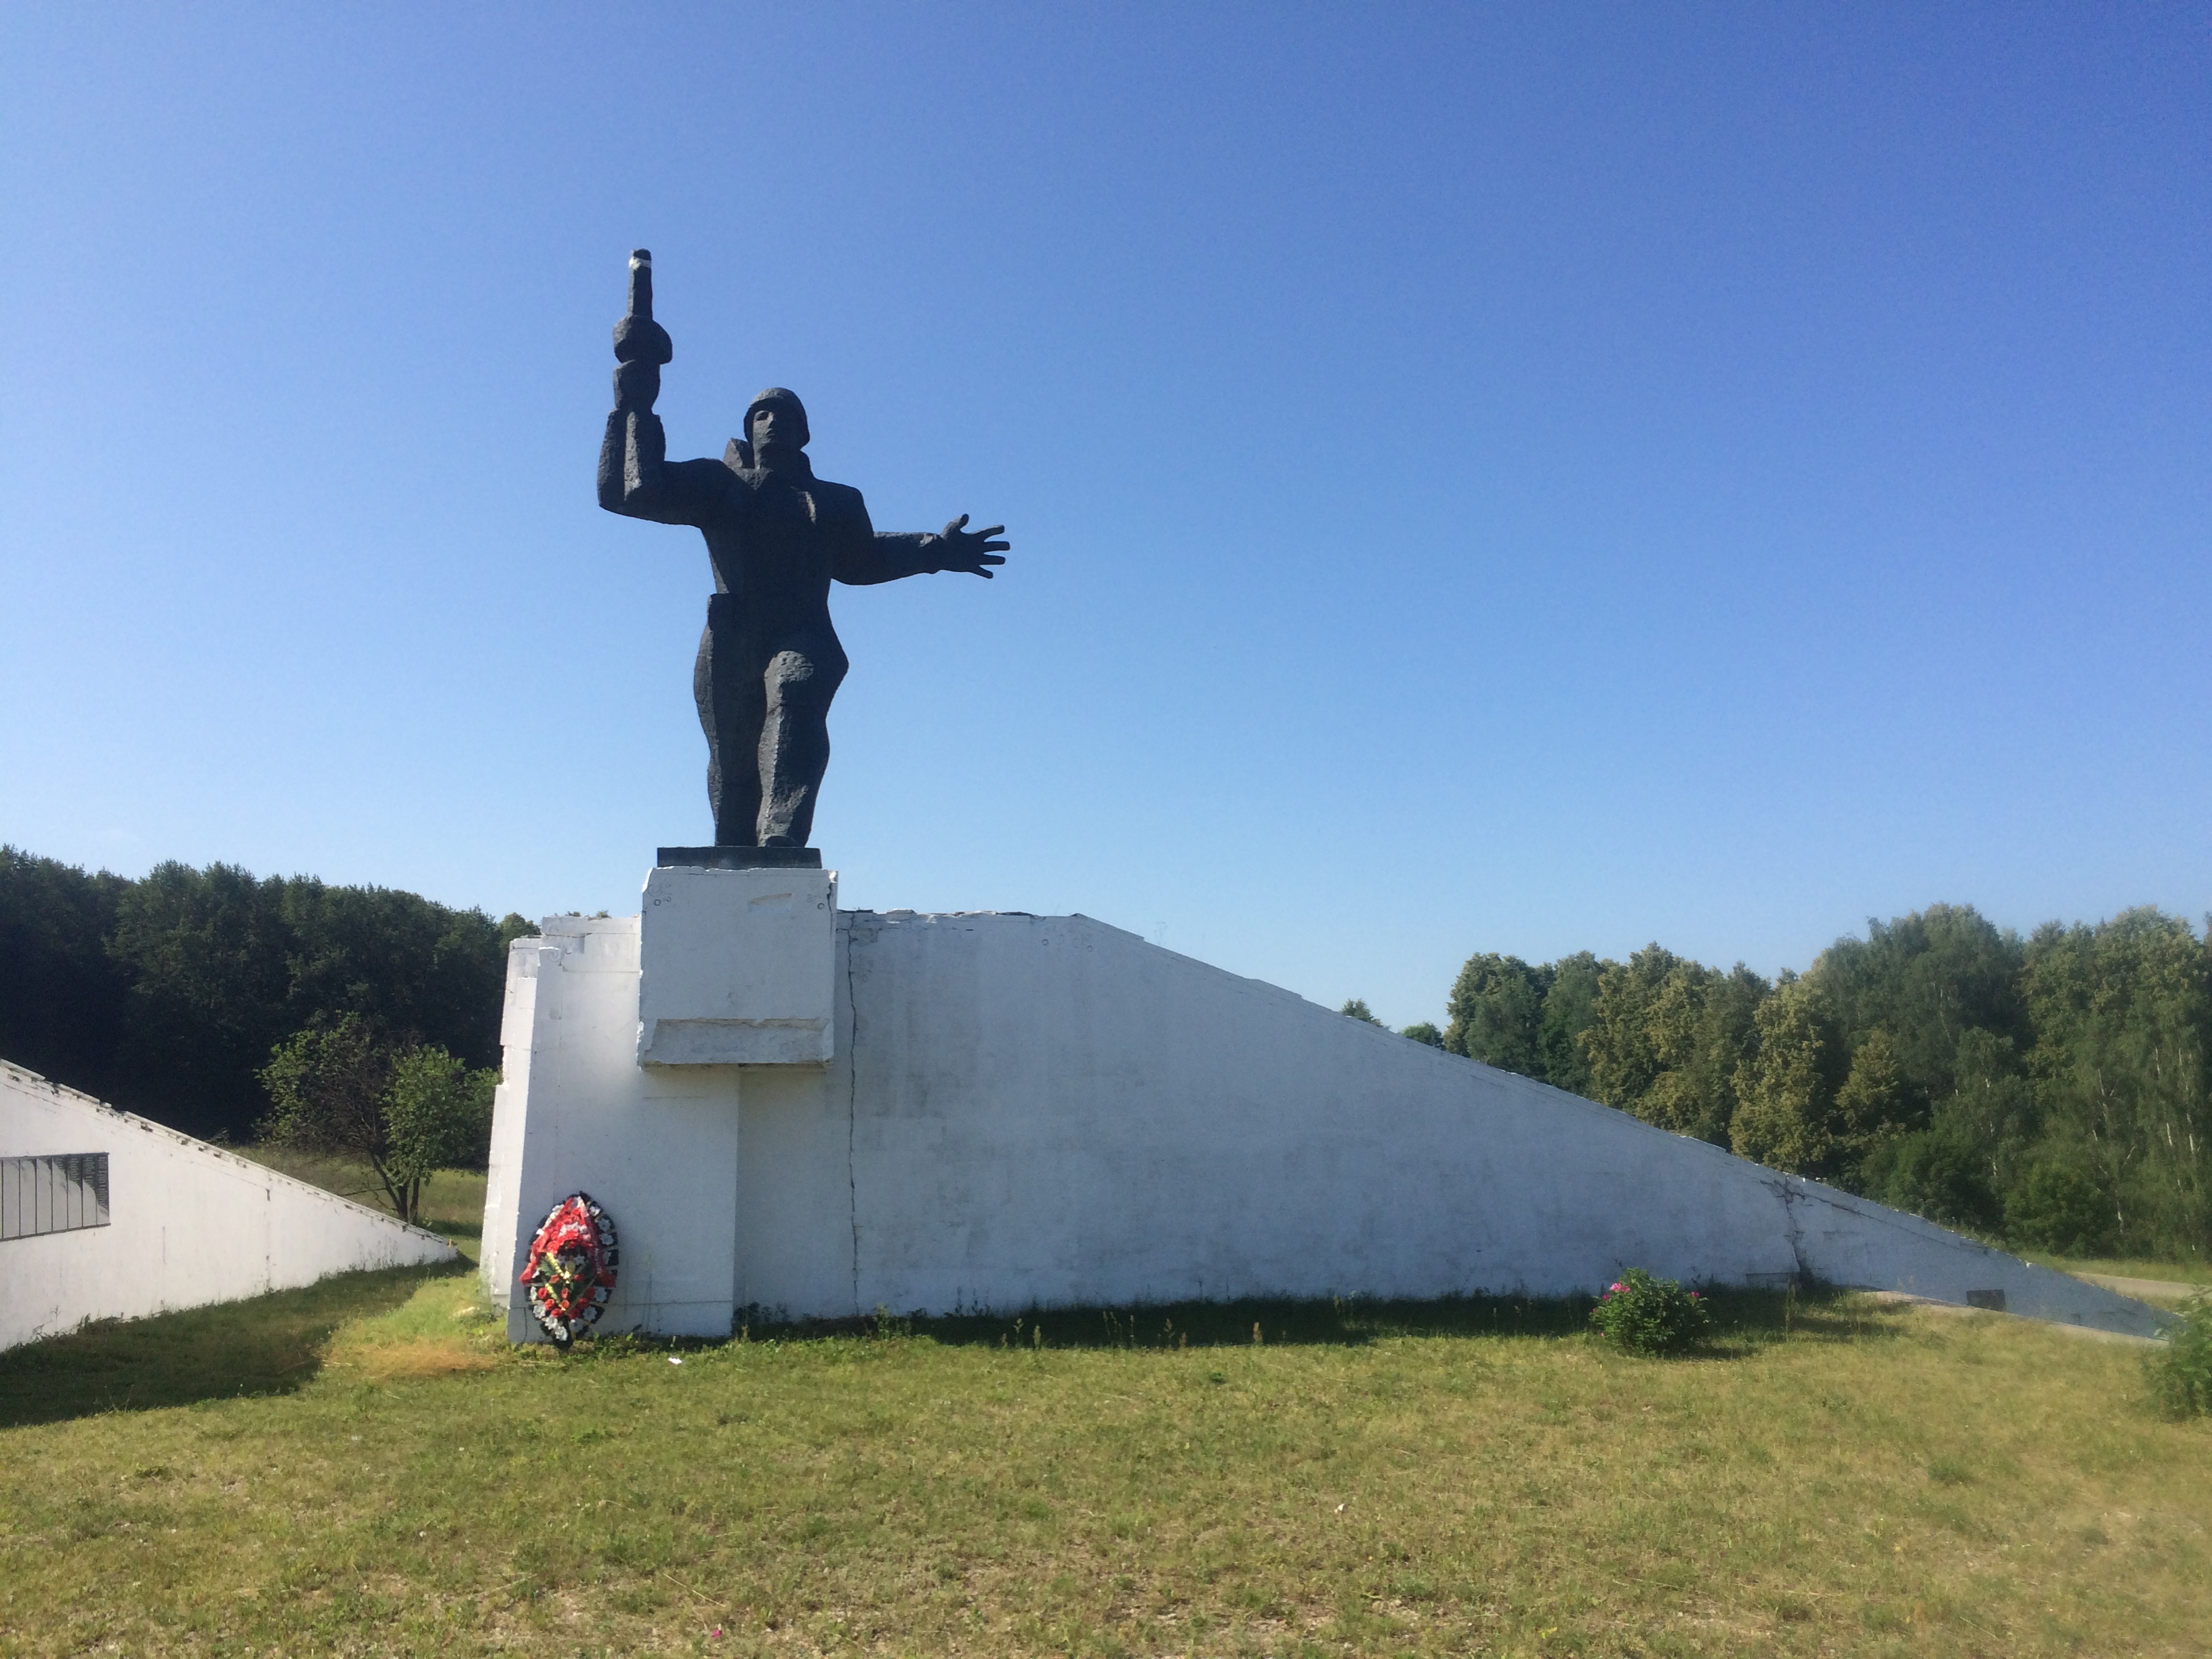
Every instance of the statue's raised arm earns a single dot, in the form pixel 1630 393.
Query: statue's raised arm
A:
pixel 635 477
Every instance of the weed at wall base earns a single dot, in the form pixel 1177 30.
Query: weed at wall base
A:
pixel 2180 1371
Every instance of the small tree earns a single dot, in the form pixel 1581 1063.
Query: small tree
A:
pixel 325 1085
pixel 437 1116
pixel 408 1111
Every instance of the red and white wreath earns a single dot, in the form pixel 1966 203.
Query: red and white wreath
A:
pixel 571 1270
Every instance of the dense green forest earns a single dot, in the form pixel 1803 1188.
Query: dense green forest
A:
pixel 2049 1091
pixel 166 996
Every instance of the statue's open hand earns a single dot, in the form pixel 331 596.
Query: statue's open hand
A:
pixel 972 550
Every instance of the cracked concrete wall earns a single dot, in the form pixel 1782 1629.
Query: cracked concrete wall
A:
pixel 1049 1109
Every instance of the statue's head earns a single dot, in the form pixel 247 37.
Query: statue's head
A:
pixel 776 423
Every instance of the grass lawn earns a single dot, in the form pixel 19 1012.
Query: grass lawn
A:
pixel 363 1467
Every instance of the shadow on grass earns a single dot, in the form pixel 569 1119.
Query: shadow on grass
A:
pixel 270 1344
pixel 1744 1321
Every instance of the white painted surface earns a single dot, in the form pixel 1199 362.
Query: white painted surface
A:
pixel 656 1144
pixel 190 1223
pixel 1040 1110
pixel 737 967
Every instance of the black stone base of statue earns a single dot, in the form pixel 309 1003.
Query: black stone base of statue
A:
pixel 740 858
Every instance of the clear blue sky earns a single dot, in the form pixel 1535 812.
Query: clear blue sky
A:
pixel 1518 478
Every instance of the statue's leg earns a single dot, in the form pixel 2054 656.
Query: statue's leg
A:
pixel 727 685
pixel 794 741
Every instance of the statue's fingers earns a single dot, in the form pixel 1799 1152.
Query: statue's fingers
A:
pixel 989 558
pixel 996 530
pixel 997 547
pixel 955 526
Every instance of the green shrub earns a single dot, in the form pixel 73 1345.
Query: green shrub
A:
pixel 1640 1314
pixel 2058 1208
pixel 1937 1174
pixel 2181 1371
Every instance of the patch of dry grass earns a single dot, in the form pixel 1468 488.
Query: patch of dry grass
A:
pixel 447 1331
pixel 1865 1481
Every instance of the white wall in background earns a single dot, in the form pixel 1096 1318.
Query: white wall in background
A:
pixel 189 1223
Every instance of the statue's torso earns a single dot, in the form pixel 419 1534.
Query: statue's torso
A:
pixel 774 539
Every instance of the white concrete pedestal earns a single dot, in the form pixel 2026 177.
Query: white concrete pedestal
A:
pixel 965 1111
pixel 735 967
pixel 623 1037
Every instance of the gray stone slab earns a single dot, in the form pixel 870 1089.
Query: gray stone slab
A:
pixel 739 858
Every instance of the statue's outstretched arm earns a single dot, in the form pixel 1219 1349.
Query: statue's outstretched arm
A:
pixel 887 556
pixel 636 477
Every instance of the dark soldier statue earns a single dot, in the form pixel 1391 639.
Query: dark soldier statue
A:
pixel 769 661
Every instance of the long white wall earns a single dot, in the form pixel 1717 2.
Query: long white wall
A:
pixel 1040 1110
pixel 190 1224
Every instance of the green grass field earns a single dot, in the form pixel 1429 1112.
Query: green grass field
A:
pixel 365 1468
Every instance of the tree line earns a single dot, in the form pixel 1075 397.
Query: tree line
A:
pixel 2049 1091
pixel 236 1007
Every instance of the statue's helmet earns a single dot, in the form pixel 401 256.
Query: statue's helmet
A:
pixel 784 402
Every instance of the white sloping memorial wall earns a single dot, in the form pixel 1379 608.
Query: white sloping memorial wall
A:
pixel 1020 1111
pixel 104 1215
